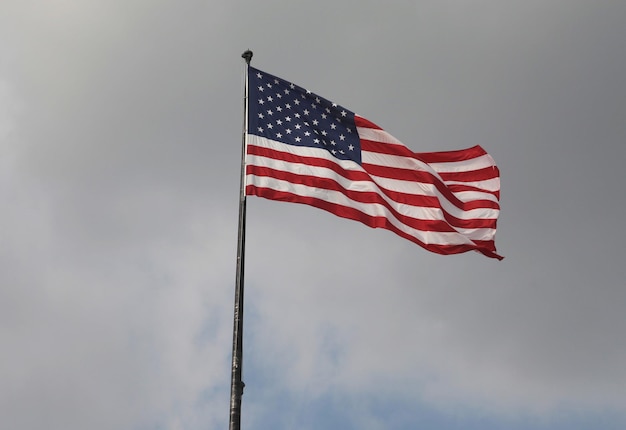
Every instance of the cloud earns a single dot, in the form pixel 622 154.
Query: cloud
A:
pixel 120 129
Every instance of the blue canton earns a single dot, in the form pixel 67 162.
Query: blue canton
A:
pixel 284 112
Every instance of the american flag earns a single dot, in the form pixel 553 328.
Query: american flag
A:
pixel 302 148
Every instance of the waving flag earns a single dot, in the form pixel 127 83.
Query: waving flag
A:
pixel 302 148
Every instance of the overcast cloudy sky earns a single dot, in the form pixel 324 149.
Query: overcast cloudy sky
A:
pixel 120 134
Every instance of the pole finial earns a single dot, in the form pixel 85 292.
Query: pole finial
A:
pixel 247 56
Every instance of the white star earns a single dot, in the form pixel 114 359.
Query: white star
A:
pixel 334 104
pixel 306 112
pixel 287 118
pixel 278 135
pixel 288 106
pixel 292 86
pixel 351 147
pixel 261 101
pixel 332 142
pixel 316 140
pixel 276 81
pixel 261 89
pixel 269 98
pixel 261 115
pixel 333 126
pixel 288 131
pixel 260 129
pixel 270 126
pixel 296 102
pixel 333 151
pixel 344 113
pixel 324 116
pixel 260 76
pixel 342 137
pixel 269 112
pixel 279 109
pixel 298 126
pixel 307 133
pixel 279 122
pixel 298 139
pixel 324 133
pixel 315 122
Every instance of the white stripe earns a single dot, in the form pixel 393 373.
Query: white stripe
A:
pixel 301 151
pixel 487 185
pixel 477 163
pixel 374 210
pixel 376 135
pixel 468 196
pixel 398 161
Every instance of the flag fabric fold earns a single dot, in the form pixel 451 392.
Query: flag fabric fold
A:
pixel 302 148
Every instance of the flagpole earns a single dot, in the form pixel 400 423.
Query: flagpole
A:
pixel 236 384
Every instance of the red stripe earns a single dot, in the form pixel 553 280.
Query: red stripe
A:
pixel 478 175
pixel 386 148
pixel 371 197
pixel 365 123
pixel 452 156
pixel 426 157
pixel 370 221
pixel 488 244
pixel 387 172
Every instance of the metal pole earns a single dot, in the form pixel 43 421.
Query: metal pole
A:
pixel 236 384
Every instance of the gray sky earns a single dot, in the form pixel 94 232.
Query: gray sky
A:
pixel 120 133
